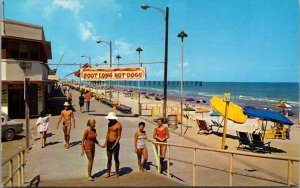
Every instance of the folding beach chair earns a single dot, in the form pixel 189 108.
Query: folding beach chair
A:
pixel 244 140
pixel 219 125
pixel 258 143
pixel 204 127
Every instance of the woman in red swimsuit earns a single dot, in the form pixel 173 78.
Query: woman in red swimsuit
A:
pixel 88 145
pixel 161 134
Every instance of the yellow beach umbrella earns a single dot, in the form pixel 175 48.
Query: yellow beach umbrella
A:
pixel 235 112
pixel 228 110
pixel 202 110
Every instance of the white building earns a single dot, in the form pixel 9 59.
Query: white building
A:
pixel 25 53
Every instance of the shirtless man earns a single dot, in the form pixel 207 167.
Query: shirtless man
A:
pixel 112 142
pixel 67 114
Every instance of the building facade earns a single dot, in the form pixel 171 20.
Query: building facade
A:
pixel 25 54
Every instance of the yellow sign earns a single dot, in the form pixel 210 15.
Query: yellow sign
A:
pixel 129 73
pixel 53 77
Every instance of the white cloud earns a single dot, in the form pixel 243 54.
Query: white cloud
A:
pixel 123 47
pixel 86 30
pixel 185 64
pixel 72 5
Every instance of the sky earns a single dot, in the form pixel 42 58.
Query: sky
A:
pixel 228 41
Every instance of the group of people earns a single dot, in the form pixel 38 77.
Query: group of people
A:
pixel 85 99
pixel 112 140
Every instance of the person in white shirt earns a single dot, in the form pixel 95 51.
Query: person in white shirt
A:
pixel 42 127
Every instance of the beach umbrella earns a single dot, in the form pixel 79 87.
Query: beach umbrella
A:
pixel 202 111
pixel 283 105
pixel 130 90
pixel 267 115
pixel 235 112
pixel 152 94
pixel 215 114
pixel 190 99
pixel 143 92
pixel 228 110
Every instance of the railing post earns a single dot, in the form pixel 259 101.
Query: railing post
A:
pixel 158 159
pixel 152 113
pixel 230 168
pixel 19 169
pixel 168 165
pixel 290 172
pixel 194 168
pixel 10 173
pixel 22 166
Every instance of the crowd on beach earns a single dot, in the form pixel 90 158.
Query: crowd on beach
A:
pixel 112 140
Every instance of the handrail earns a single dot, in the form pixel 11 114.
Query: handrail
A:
pixel 19 170
pixel 231 153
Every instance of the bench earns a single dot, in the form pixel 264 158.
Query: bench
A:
pixel 107 102
pixel 123 108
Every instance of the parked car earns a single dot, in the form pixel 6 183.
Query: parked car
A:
pixel 10 127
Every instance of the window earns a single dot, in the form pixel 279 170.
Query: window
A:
pixel 13 50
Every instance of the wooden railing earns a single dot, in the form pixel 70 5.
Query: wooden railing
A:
pixel 289 160
pixel 19 170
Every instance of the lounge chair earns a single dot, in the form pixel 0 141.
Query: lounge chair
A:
pixel 258 143
pixel 204 127
pixel 244 140
pixel 219 125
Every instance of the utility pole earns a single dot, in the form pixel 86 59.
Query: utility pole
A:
pixel 27 111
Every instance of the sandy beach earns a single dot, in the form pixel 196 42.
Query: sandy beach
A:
pixel 285 147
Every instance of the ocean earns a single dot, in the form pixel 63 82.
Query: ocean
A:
pixel 259 94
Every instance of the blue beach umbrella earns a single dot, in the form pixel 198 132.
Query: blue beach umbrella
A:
pixel 215 114
pixel 267 115
pixel 143 92
pixel 152 94
pixel 190 99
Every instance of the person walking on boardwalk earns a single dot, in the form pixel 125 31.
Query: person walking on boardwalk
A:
pixel 88 142
pixel 140 138
pixel 68 115
pixel 81 102
pixel 112 142
pixel 87 100
pixel 161 134
pixel 42 124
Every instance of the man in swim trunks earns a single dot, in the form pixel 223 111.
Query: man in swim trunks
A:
pixel 67 114
pixel 112 142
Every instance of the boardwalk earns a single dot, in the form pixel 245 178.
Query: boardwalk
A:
pixel 58 166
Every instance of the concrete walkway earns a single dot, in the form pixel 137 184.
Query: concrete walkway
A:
pixel 58 166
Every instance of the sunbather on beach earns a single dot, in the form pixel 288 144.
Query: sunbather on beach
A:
pixel 161 134
pixel 140 138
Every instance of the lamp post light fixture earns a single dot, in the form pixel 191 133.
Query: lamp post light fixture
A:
pixel 139 50
pixel 89 57
pixel 118 58
pixel 110 60
pixel 166 16
pixel 181 35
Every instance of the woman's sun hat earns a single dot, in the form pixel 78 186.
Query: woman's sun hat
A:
pixel 111 115
pixel 66 104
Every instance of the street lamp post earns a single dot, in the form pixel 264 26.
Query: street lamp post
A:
pixel 110 60
pixel 139 50
pixel 182 35
pixel 105 62
pixel 118 58
pixel 166 15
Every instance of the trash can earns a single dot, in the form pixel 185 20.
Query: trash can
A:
pixel 172 122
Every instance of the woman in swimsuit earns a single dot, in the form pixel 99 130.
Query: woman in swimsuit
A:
pixel 88 145
pixel 140 138
pixel 161 134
